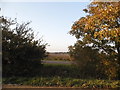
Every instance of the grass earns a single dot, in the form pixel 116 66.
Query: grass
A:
pixel 66 71
pixel 53 70
pixel 58 57
pixel 62 82
pixel 58 75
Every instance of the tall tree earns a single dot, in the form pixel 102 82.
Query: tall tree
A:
pixel 100 29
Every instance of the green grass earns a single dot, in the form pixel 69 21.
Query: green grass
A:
pixel 62 82
pixel 58 75
pixel 53 70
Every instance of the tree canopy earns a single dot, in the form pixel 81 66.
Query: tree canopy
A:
pixel 100 29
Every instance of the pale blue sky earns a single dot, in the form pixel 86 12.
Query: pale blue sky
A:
pixel 53 20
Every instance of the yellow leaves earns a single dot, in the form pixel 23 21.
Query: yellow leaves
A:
pixel 100 34
pixel 109 34
pixel 106 62
pixel 74 27
pixel 105 26
pixel 110 9
pixel 101 22
pixel 115 34
pixel 95 34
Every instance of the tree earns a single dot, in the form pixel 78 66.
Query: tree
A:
pixel 100 29
pixel 21 52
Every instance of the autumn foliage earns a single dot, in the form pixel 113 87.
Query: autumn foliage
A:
pixel 100 30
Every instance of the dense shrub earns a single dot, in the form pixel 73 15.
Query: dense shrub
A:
pixel 92 62
pixel 21 52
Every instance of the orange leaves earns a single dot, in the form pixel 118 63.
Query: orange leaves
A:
pixel 101 23
pixel 74 27
pixel 109 34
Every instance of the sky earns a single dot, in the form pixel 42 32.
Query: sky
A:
pixel 50 21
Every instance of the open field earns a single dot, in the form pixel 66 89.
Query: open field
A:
pixel 56 62
pixel 58 56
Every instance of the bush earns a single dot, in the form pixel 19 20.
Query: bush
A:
pixel 63 82
pixel 92 62
pixel 86 58
pixel 20 50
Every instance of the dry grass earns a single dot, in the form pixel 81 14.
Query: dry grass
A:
pixel 58 56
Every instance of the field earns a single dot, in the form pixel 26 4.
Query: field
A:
pixel 64 56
